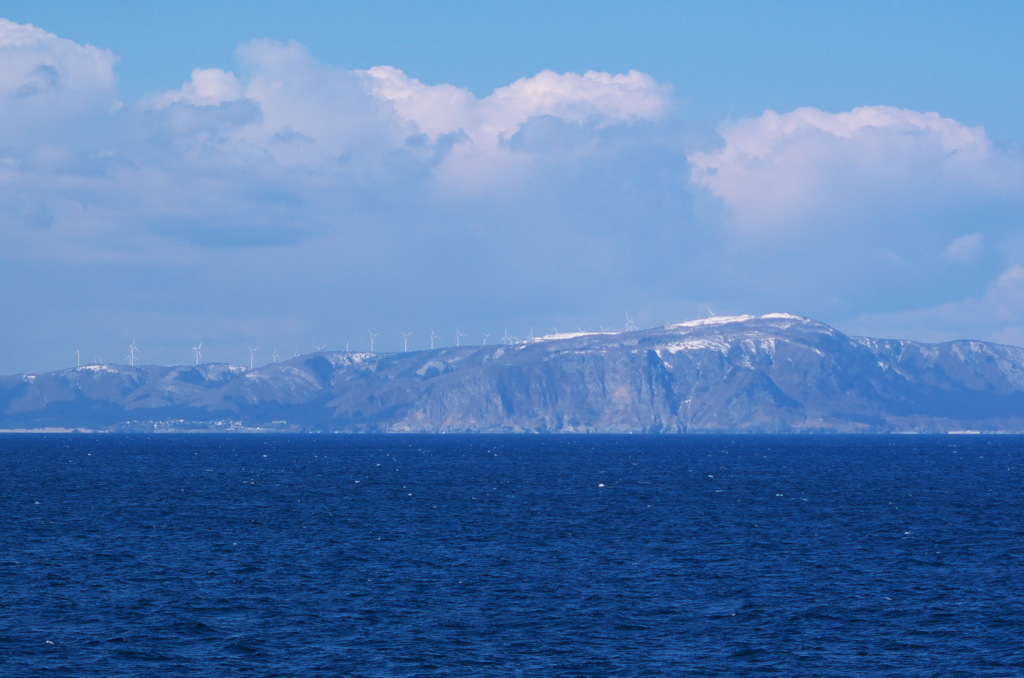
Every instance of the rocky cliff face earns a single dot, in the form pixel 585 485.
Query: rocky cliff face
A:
pixel 773 373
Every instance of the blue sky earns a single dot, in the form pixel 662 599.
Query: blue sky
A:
pixel 284 175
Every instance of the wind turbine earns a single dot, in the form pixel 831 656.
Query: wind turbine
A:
pixel 507 340
pixel 78 358
pixel 373 335
pixel 252 352
pixel 320 348
pixel 275 354
pixel 630 325
pixel 485 335
pixel 432 338
pixel 346 345
pixel 405 337
pixel 131 354
pixel 457 335
pixel 199 353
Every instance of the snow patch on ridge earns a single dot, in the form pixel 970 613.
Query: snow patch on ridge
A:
pixel 713 320
pixel 784 316
pixel 96 368
pixel 689 324
pixel 216 371
pixel 731 319
pixel 697 345
pixel 564 335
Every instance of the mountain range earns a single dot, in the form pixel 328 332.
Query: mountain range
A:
pixel 775 373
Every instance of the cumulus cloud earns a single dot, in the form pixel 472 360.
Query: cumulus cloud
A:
pixel 781 172
pixel 208 87
pixel 592 98
pixel 284 143
pixel 45 81
pixel 364 117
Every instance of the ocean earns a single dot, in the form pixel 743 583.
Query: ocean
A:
pixel 213 555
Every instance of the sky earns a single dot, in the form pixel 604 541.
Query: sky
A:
pixel 289 175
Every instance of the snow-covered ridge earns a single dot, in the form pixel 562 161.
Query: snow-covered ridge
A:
pixel 730 319
pixel 713 320
pixel 557 336
pixel 689 324
pixel 786 316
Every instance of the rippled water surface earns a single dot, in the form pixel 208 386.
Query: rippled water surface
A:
pixel 511 556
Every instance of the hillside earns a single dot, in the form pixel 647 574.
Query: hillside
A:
pixel 773 373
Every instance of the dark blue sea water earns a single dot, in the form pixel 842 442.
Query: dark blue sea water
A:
pixel 511 556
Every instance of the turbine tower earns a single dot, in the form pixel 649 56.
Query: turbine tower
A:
pixel 252 352
pixel 485 335
pixel 457 335
pixel 373 335
pixel 131 354
pixel 432 338
pixel 507 340
pixel 405 337
pixel 199 353
pixel 275 354
pixel 78 358
pixel 630 325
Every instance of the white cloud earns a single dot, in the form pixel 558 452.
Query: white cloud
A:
pixel 598 98
pixel 784 171
pixel 45 80
pixel 964 249
pixel 208 87
pixel 360 116
pixel 428 109
pixel 285 147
